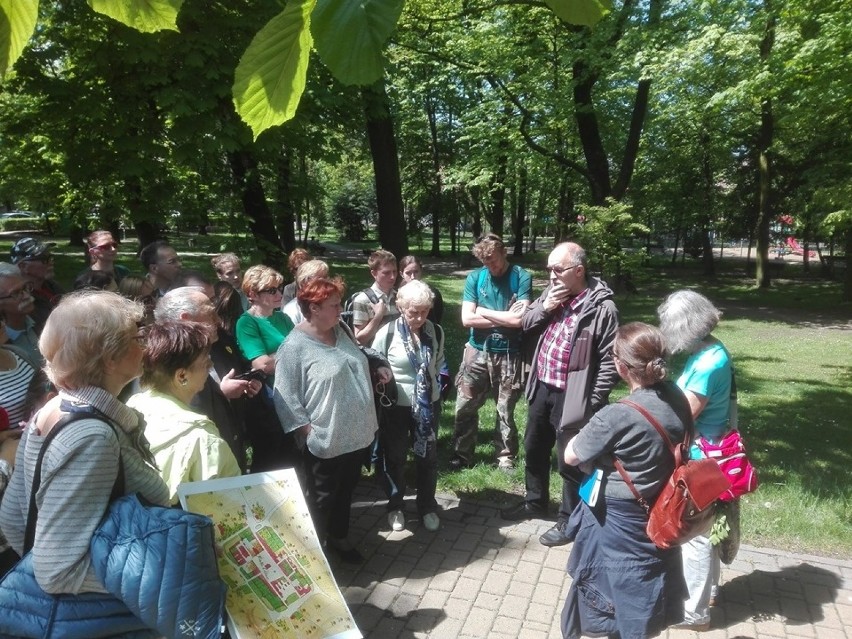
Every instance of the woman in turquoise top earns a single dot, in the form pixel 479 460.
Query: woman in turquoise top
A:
pixel 687 319
pixel 262 328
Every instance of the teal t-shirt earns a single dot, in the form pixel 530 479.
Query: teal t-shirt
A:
pixel 708 373
pixel 258 336
pixel 496 293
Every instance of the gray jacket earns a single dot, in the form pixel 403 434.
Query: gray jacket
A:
pixel 591 369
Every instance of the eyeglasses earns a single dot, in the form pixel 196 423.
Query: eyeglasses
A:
pixel 272 290
pixel 384 400
pixel 109 246
pixel 559 270
pixel 20 294
pixel 44 259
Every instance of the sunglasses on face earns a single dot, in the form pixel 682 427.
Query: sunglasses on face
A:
pixel 109 246
pixel 272 290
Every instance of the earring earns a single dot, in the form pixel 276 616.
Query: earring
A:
pixel 184 381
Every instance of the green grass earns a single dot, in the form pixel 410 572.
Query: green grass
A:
pixel 792 346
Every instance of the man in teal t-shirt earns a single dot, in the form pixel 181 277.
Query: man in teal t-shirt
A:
pixel 495 297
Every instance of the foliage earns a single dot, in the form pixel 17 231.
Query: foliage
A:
pixel 352 207
pixel 17 22
pixel 601 231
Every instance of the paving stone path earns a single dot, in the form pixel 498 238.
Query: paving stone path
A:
pixel 480 576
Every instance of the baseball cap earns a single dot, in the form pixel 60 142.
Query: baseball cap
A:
pixel 29 247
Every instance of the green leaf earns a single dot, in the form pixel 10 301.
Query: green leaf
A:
pixel 583 12
pixel 143 15
pixel 350 36
pixel 270 77
pixel 17 23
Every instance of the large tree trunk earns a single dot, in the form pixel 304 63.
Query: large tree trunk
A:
pixel 497 213
pixel 764 144
pixel 380 132
pixel 247 177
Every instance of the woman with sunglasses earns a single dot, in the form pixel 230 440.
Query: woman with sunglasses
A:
pixel 103 249
pixel 262 328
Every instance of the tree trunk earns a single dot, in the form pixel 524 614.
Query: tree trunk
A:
pixel 765 137
pixel 285 201
pixel 497 214
pixel 521 215
pixel 437 189
pixel 383 149
pixel 247 178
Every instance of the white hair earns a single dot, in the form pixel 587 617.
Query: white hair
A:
pixel 186 302
pixel 414 293
pixel 686 318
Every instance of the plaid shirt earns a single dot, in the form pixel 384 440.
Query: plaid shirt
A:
pixel 555 351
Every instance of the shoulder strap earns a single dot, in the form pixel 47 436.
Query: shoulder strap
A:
pixel 480 282
pixel 371 295
pixel 662 431
pixel 389 335
pixel 515 279
pixel 32 512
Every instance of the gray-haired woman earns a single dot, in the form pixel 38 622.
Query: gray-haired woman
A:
pixel 93 348
pixel 415 350
pixel 687 319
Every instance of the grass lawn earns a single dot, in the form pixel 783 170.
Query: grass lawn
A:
pixel 792 346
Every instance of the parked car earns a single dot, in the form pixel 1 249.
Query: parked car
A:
pixel 11 214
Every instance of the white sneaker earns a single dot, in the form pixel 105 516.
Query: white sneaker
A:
pixel 431 522
pixel 396 520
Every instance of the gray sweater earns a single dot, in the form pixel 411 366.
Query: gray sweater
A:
pixel 327 387
pixel 78 473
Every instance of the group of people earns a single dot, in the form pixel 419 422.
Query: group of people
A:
pixel 207 380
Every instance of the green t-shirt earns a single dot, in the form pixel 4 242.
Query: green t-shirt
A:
pixel 258 336
pixel 496 293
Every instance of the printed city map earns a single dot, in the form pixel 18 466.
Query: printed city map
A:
pixel 279 582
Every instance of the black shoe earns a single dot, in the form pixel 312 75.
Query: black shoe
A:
pixel 556 536
pixel 524 510
pixel 459 463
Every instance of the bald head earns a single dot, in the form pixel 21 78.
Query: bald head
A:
pixel 568 253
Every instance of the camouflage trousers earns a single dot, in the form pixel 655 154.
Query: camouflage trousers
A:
pixel 483 375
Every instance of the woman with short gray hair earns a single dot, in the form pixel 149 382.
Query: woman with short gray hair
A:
pixel 415 349
pixel 687 319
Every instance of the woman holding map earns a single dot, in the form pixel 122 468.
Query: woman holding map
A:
pixel 323 394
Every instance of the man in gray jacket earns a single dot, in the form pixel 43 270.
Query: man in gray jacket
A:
pixel 571 377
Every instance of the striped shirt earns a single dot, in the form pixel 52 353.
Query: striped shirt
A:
pixel 14 384
pixel 78 473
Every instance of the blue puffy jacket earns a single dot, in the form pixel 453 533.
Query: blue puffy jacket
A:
pixel 161 562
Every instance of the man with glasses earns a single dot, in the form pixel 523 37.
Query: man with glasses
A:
pixel 572 375
pixel 16 303
pixel 35 261
pixel 495 297
pixel 162 264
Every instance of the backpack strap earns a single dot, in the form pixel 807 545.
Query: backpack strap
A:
pixel 371 295
pixel 68 418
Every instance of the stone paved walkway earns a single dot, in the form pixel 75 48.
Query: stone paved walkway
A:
pixel 480 576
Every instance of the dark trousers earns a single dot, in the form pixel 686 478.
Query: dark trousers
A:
pixel 396 436
pixel 545 413
pixel 330 485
